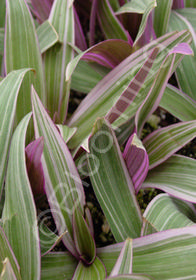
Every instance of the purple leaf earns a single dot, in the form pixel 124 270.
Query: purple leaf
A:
pixel 79 34
pixel 178 4
pixel 149 33
pixel 109 53
pixel 92 22
pixel 34 166
pixel 136 159
pixel 41 9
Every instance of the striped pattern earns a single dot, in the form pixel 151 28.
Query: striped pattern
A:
pixel 124 262
pixel 112 184
pixel 131 277
pixel 107 18
pixel 47 36
pixel 7 253
pixel 164 142
pixel 22 51
pixel 105 94
pixel 187 68
pixel 140 7
pixel 9 88
pixel 167 255
pixel 7 272
pixel 56 59
pixel 136 159
pixel 175 176
pixel 19 213
pixel 166 212
pixel 58 266
pixel 83 239
pixel 178 104
pixel 156 91
pixel 161 16
pixel 63 186
pixel 95 271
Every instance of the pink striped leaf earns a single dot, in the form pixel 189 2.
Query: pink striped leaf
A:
pixel 169 254
pixel 164 142
pixel 136 159
pixel 157 89
pixel 63 186
pixel 41 9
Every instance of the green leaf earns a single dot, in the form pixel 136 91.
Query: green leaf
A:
pixel 56 59
pixel 66 132
pixel 187 68
pixel 63 186
pixel 48 239
pixel 6 252
pixel 2 41
pixel 7 272
pixel 164 142
pixel 95 271
pixel 47 36
pixel 58 266
pixel 22 50
pixel 170 254
pixel 125 259
pixel 131 277
pixel 19 214
pixel 144 7
pixel 157 89
pixel 112 184
pixel 83 239
pixel 9 88
pixel 107 18
pixel 106 93
pixel 190 3
pixel 189 14
pixel 175 176
pixel 166 212
pixel 84 78
pixel 178 104
pixel 161 16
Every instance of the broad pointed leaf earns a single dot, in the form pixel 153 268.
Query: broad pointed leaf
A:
pixel 161 16
pixel 112 184
pixel 178 104
pixel 66 132
pixel 84 242
pixel 63 186
pixel 144 7
pixel 80 38
pixel 58 266
pixel 48 239
pixel 47 36
pixel 6 252
pixel 107 18
pixel 56 59
pixel 130 277
pixel 19 214
pixel 187 68
pixel 125 259
pixel 95 271
pixel 9 88
pixel 164 142
pixel 170 254
pixel 136 159
pixel 157 89
pixel 166 212
pixel 175 176
pixel 22 50
pixel 109 89
pixel 7 272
